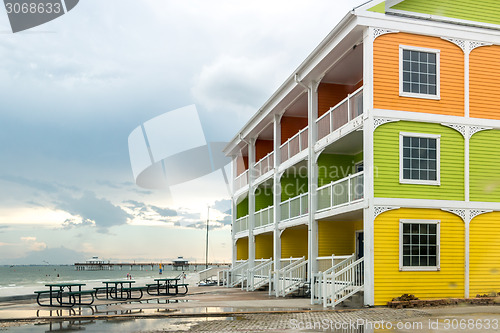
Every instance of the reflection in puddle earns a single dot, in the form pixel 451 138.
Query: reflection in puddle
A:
pixel 122 325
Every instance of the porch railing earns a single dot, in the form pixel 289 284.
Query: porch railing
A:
pixel 341 192
pixel 294 145
pixel 259 275
pixel 241 181
pixel 294 207
pixel 290 277
pixel 241 224
pixel 264 217
pixel 237 274
pixel 342 113
pixel 264 165
pixel 327 265
pixel 342 284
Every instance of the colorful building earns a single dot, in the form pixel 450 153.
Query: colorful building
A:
pixel 374 167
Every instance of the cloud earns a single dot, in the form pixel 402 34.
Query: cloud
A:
pixel 98 210
pixel 32 244
pixel 39 185
pixel 165 212
pixel 223 206
pixel 70 223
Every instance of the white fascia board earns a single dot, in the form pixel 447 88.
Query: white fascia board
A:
pixel 435 118
pixel 367 5
pixel 435 204
pixel 427 27
pixel 329 42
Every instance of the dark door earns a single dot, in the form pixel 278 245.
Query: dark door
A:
pixel 360 248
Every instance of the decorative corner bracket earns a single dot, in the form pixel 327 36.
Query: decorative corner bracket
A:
pixel 381 121
pixel 377 32
pixel 474 129
pixel 462 129
pixel 462 213
pixel 377 210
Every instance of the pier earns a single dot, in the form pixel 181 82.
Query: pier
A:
pixel 109 266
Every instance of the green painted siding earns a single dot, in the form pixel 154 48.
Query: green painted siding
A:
pixel 263 197
pixel 332 167
pixel 242 208
pixel 291 186
pixel 386 160
pixel 484 166
pixel 486 11
pixel 380 8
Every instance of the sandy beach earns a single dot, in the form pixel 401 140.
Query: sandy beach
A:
pixel 218 309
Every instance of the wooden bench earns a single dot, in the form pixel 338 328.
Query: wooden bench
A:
pixel 75 294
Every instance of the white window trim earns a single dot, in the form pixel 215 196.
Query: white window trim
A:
pixel 436 182
pixel 438 246
pixel 402 93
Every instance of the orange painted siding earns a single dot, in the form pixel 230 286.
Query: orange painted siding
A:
pixel 330 95
pixel 262 148
pixel 386 75
pixel 291 126
pixel 484 84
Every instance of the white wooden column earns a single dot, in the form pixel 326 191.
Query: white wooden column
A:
pixel 368 166
pixel 276 198
pixel 312 167
pixel 251 203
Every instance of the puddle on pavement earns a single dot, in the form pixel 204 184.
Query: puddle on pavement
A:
pixel 122 325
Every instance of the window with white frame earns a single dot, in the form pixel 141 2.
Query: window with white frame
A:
pixel 419 158
pixel 419 72
pixel 419 245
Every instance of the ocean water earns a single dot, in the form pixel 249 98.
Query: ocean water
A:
pixel 24 280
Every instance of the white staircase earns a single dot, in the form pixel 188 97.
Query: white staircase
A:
pixel 210 273
pixel 291 277
pixel 338 283
pixel 260 274
pixel 235 275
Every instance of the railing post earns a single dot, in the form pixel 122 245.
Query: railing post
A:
pixel 349 107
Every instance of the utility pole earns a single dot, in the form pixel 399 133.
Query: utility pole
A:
pixel 206 245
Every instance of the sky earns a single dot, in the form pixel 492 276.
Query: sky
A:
pixel 73 90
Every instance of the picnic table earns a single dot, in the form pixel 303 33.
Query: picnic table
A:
pixel 119 289
pixel 57 292
pixel 162 287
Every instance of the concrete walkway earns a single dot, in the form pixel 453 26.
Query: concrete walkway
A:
pixel 216 309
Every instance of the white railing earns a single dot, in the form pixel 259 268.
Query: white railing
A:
pixel 342 113
pixel 327 265
pixel 210 273
pixel 339 286
pixel 290 277
pixel 264 165
pixel 264 217
pixel 294 145
pixel 260 275
pixel 294 207
pixel 341 192
pixel 241 181
pixel 241 224
pixel 237 274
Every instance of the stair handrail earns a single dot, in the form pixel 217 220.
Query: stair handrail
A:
pixel 285 275
pixel 264 266
pixel 354 281
pixel 232 272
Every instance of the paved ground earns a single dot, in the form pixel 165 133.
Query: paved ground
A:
pixel 214 309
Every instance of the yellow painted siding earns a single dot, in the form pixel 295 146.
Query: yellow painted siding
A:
pixel 264 246
pixel 484 276
pixel 386 75
pixel 337 237
pixel 390 282
pixel 242 249
pixel 294 242
pixel 484 83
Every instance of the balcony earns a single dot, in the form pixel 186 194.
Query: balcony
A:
pixel 294 145
pixel 342 113
pixel 294 207
pixel 341 192
pixel 264 165
pixel 264 217
pixel 241 181
pixel 241 224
